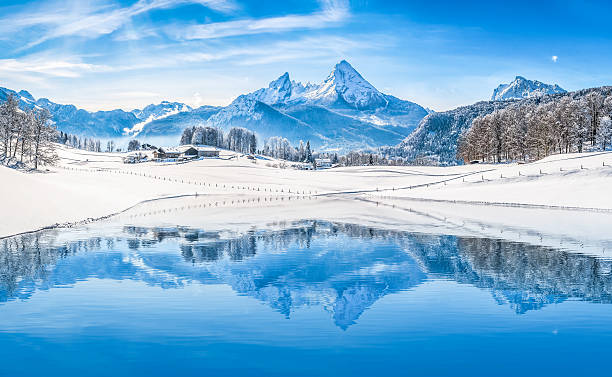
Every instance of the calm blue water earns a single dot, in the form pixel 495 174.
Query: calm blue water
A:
pixel 310 299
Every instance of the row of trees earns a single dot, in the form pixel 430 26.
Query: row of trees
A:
pixel 84 143
pixel 237 139
pixel 528 131
pixel 362 158
pixel 26 137
pixel 280 147
pixel 245 141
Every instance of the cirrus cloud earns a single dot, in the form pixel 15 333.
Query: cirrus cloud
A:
pixel 332 12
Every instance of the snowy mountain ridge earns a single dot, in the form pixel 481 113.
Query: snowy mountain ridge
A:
pixel 155 112
pixel 114 123
pixel 343 112
pixel 345 84
pixel 281 91
pixel 523 88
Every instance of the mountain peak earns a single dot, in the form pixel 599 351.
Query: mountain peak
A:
pixel 345 85
pixel 344 73
pixel 282 81
pixel 344 65
pixel 278 91
pixel 26 94
pixel 524 88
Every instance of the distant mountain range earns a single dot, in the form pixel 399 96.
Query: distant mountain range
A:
pixel 100 124
pixel 343 112
pixel 523 88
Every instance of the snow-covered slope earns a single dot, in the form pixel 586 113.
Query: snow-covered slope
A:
pixel 174 124
pixel 346 87
pixel 435 139
pixel 344 112
pixel 155 112
pixel 280 91
pixel 523 88
pixel 112 124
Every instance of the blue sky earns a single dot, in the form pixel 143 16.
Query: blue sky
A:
pixel 105 54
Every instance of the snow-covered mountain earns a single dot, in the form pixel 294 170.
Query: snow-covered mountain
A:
pixel 155 112
pixel 70 119
pixel 346 87
pixel 523 88
pixel 435 139
pixel 281 91
pixel 343 112
pixel 109 124
pixel 172 125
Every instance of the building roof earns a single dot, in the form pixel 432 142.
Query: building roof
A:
pixel 199 148
pixel 184 148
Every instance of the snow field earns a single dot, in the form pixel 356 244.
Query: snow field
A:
pixel 92 185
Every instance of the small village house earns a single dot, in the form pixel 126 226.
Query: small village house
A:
pixel 186 152
pixel 323 163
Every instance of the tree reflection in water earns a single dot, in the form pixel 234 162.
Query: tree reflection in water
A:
pixel 343 268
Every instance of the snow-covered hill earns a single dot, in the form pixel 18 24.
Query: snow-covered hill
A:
pixel 435 139
pixel 523 88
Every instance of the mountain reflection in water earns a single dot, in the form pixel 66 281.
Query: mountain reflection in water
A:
pixel 343 268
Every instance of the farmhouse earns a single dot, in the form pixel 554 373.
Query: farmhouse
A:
pixel 186 152
pixel 165 153
pixel 323 163
pixel 190 152
pixel 134 158
pixel 193 151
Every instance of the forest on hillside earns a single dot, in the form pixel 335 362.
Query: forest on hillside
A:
pixel 529 131
pixel 524 129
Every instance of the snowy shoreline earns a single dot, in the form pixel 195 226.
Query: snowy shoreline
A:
pixel 88 186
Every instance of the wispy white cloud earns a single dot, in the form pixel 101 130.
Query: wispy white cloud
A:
pixel 130 33
pixel 190 53
pixel 332 12
pixel 93 19
pixel 554 58
pixel 49 67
